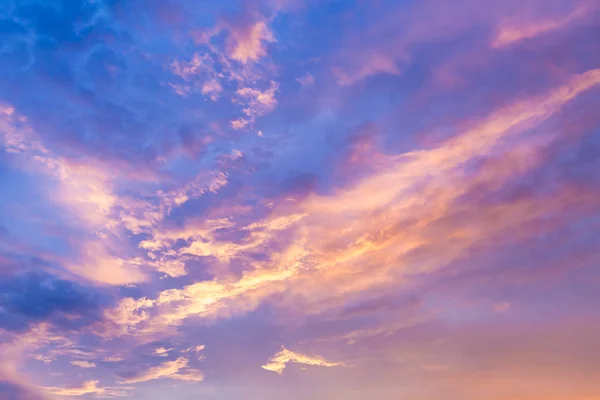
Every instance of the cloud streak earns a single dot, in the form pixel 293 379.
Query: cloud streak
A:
pixel 177 369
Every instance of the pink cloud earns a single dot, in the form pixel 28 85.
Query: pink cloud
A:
pixel 513 30
pixel 248 43
pixel 370 64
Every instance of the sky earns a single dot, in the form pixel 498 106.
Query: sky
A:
pixel 299 199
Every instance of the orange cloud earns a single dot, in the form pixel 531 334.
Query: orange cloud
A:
pixel 279 361
pixel 376 234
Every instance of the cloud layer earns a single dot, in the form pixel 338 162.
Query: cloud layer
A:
pixel 404 193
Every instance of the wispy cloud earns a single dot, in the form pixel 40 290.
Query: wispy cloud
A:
pixel 177 369
pixel 514 31
pixel 83 364
pixel 90 387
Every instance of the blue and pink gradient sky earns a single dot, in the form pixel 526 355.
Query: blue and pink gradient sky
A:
pixel 300 199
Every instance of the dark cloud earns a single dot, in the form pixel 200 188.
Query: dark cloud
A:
pixel 35 297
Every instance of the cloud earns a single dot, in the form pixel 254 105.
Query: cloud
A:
pixel 248 43
pixel 112 359
pixel 239 123
pixel 186 70
pixel 87 190
pixel 372 235
pixel 198 73
pixel 130 155
pixel 90 387
pixel 96 263
pixel 502 307
pixel 44 359
pixel 31 298
pixel 258 102
pixel 388 327
pixel 279 361
pixel 177 369
pixel 511 32
pixel 196 349
pixel 306 80
pixel 394 36
pixel 83 364
pixel 212 88
pixel 371 64
pixel 128 313
pixel 161 352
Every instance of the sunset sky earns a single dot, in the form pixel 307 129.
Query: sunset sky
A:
pixel 300 199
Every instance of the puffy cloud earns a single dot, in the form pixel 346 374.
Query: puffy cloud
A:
pixel 279 361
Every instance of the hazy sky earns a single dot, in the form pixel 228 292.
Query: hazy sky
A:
pixel 300 199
